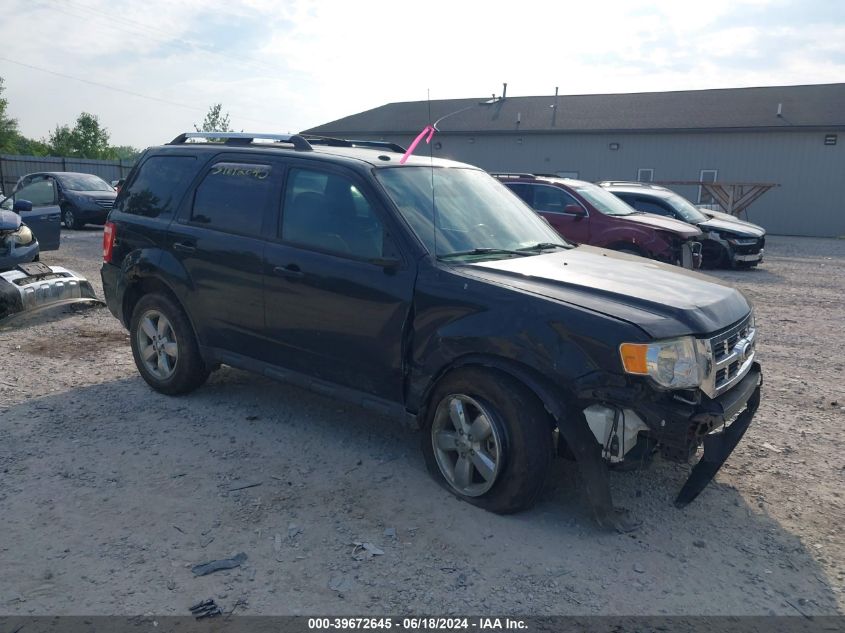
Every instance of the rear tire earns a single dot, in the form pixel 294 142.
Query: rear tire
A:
pixel 503 468
pixel 164 346
pixel 70 220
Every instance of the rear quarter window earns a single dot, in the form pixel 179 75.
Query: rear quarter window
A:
pixel 158 187
pixel 234 197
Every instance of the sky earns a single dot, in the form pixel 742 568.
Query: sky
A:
pixel 149 70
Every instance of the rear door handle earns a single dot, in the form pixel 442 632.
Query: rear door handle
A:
pixel 184 247
pixel 291 270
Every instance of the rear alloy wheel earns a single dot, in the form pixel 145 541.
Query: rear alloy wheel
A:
pixel 69 219
pixel 164 346
pixel 157 344
pixel 487 439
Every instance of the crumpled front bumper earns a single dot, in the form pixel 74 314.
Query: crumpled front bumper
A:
pixel 34 287
pixel 718 424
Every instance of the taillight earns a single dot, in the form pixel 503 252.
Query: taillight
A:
pixel 109 235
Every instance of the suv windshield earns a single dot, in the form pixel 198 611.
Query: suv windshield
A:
pixel 476 215
pixel 84 182
pixel 687 210
pixel 603 200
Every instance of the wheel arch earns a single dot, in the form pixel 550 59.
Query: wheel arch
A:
pixel 552 397
pixel 144 285
pixel 627 245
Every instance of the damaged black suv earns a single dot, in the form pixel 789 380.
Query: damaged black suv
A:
pixel 427 291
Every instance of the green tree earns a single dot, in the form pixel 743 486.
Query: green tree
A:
pixel 215 120
pixel 8 126
pixel 30 147
pixel 92 139
pixel 87 139
pixel 124 152
pixel 61 142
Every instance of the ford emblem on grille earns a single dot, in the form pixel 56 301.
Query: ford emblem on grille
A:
pixel 743 348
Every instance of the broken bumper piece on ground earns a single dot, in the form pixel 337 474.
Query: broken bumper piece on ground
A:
pixel 32 288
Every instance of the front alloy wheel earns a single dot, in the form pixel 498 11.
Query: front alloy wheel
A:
pixel 157 344
pixel 487 439
pixel 467 445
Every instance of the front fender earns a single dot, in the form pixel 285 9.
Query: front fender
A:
pixel 651 242
pixel 457 318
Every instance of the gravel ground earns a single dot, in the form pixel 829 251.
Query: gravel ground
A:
pixel 110 493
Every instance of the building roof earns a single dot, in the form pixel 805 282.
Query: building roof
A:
pixel 818 106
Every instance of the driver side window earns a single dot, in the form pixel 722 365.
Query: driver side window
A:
pixel 327 212
pixel 642 204
pixel 40 193
pixel 552 199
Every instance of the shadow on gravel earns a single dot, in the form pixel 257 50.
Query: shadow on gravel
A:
pixel 126 488
pixel 751 275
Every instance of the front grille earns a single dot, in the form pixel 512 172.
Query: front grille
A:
pixel 723 344
pixel 106 203
pixel 731 353
pixel 749 249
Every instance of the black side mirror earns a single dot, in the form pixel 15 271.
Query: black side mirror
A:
pixel 22 205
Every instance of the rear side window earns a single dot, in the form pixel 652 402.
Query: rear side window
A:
pixel 157 188
pixel 233 198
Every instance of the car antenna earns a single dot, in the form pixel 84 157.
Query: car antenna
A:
pixel 428 133
pixel 431 168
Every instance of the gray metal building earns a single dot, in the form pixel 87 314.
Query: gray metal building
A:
pixel 790 135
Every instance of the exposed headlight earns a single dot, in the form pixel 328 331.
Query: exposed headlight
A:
pixel 673 364
pixel 23 236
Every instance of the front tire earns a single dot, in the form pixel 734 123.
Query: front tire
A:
pixel 713 255
pixel 488 440
pixel 164 346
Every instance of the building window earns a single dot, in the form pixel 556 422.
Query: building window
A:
pixel 707 175
pixel 645 175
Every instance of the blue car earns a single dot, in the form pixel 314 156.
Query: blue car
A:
pixel 37 205
pixel 79 198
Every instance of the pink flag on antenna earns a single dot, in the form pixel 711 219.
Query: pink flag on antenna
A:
pixel 428 129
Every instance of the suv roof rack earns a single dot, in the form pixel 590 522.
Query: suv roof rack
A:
pixel 515 174
pixel 629 183
pixel 245 138
pixel 344 142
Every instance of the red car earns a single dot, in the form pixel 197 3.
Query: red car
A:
pixel 587 214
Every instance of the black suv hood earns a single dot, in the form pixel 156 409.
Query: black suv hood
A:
pixel 663 300
pixel 736 227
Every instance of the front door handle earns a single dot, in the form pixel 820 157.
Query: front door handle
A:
pixel 184 247
pixel 291 270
